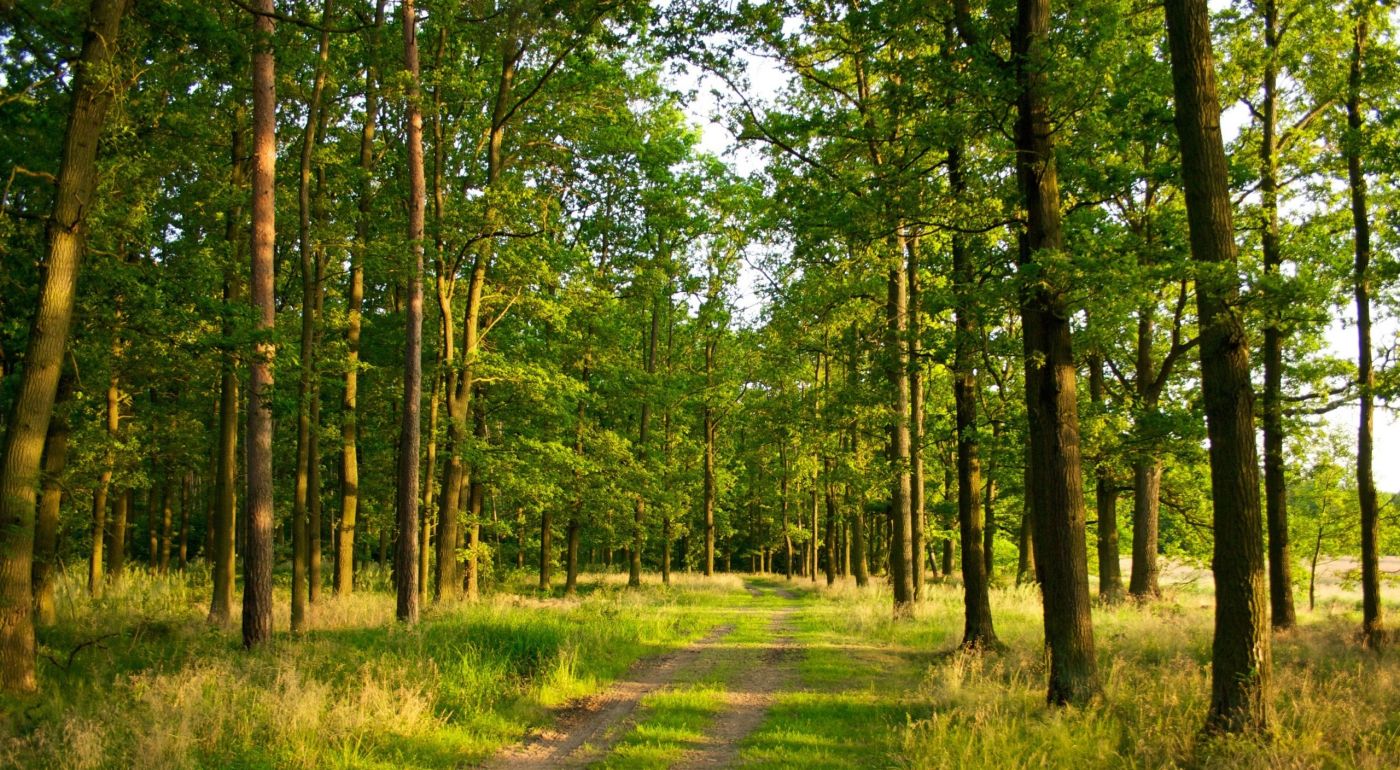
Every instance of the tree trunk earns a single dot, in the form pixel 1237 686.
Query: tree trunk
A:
pixel 916 419
pixel 306 362
pixel 406 609
pixel 48 338
pixel 226 465
pixel 182 547
pixel 897 375
pixel 977 607
pixel 634 560
pixel 1052 411
pixel 783 502
pixel 1372 619
pixel 1275 483
pixel 710 428
pixel 349 425
pixel 104 481
pixel 1105 502
pixel 257 558
pixel 989 528
pixel 1147 485
pixel 1241 670
pixel 50 500
pixel 167 532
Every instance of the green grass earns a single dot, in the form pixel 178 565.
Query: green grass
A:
pixel 138 679
pixel 156 687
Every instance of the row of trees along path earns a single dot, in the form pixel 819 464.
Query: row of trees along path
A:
pixel 542 320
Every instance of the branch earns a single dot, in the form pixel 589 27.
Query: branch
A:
pixel 364 25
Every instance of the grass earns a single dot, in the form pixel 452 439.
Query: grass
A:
pixel 138 679
pixel 154 686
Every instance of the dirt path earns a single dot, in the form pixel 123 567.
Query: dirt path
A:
pixel 584 730
pixel 747 703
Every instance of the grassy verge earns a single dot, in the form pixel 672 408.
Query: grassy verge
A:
pixel 877 693
pixel 149 684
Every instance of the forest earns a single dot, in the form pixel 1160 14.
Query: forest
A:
pixel 758 383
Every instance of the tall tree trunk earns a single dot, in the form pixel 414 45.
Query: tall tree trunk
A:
pixel 829 491
pixel 224 520
pixel 897 375
pixel 167 509
pixel 989 497
pixel 634 561
pixel 783 502
pixel 977 607
pixel 1147 471
pixel 186 493
pixel 104 481
pixel 1147 486
pixel 1052 411
pixel 476 495
pixel 1242 663
pixel 409 434
pixel 307 361
pixel 50 500
pixel 349 425
pixel 1372 618
pixel 425 528
pixel 257 557
pixel 916 419
pixel 711 429
pixel 1275 482
pixel 32 407
pixel 1105 502
pixel 576 515
pixel 116 534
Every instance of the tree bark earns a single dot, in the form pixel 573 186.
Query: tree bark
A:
pixel 307 360
pixel 1241 660
pixel 1275 481
pixel 916 419
pixel 50 500
pixel 978 631
pixel 1147 486
pixel 634 556
pixel 32 407
pixel 226 467
pixel 1372 618
pixel 406 609
pixel 257 559
pixel 1105 502
pixel 897 375
pixel 104 482
pixel 1052 411
pixel 349 426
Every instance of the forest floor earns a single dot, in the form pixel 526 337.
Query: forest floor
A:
pixel 751 672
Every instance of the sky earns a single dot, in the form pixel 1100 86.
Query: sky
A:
pixel 766 80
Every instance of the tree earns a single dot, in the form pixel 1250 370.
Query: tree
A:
pixel 1241 669
pixel 1051 407
pixel 29 416
pixel 257 556
pixel 406 567
pixel 1372 620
